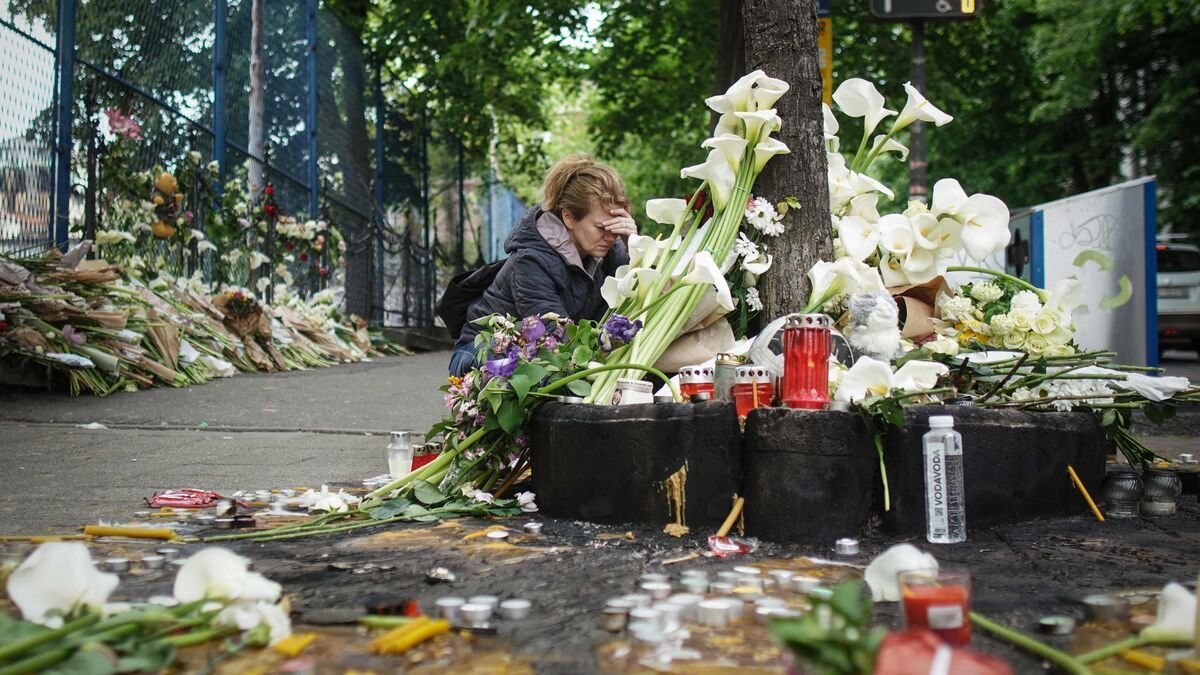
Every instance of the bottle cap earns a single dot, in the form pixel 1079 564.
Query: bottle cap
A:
pixel 941 422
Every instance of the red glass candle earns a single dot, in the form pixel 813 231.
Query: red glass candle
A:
pixel 939 601
pixel 806 344
pixel 696 379
pixel 752 389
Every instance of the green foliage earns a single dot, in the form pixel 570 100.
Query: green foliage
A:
pixel 835 637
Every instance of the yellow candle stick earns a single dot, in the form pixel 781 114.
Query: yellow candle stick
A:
pixel 130 532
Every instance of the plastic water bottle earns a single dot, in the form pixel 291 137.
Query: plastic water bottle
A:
pixel 945 496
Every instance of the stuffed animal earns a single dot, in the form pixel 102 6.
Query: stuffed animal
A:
pixel 874 327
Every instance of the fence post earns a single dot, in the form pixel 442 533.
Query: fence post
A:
pixel 65 56
pixel 380 215
pixel 311 123
pixel 220 17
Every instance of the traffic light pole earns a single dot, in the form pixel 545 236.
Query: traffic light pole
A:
pixel 916 133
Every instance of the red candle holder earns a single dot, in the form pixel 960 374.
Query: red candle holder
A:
pixel 806 344
pixel 752 389
pixel 696 379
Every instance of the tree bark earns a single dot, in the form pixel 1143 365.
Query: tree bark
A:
pixel 781 38
pixel 257 127
pixel 731 49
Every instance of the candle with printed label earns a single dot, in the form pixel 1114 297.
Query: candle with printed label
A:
pixel 939 601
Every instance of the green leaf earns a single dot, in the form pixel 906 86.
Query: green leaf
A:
pixel 426 493
pixel 520 384
pixel 415 511
pixel 390 508
pixel 12 629
pixel 510 416
pixel 1110 416
pixel 580 387
pixel 87 660
pixel 149 657
pixel 847 601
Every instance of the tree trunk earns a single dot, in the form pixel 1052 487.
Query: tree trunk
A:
pixel 781 38
pixel 256 136
pixel 731 49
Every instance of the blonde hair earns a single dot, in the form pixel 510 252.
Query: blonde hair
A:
pixel 577 182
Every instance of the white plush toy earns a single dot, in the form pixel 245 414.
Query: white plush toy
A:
pixel 874 327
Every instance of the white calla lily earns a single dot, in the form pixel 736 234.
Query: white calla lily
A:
pixel 896 234
pixel 867 377
pixel 637 283
pixel 927 231
pixel 865 206
pixel 764 121
pixel 730 125
pixel 859 238
pixel 665 211
pixel 612 290
pixel 643 250
pixel 861 183
pixel 716 171
pixel 883 574
pixel 731 146
pixel 920 266
pixel 705 272
pixel 858 98
pixel 891 269
pixel 767 91
pixel 1066 295
pixel 767 149
pixel 739 95
pixel 918 375
pixel 917 107
pixel 220 574
pixel 249 615
pixel 883 144
pixel 948 197
pixel 842 277
pixel 1176 621
pixel 58 579
pixel 985 225
pixel 829 123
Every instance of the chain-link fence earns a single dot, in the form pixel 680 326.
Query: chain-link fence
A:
pixel 333 148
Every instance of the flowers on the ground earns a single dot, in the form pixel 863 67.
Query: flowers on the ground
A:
pixel 869 377
pixel 1003 314
pixel 1176 620
pixel 57 580
pixel 216 573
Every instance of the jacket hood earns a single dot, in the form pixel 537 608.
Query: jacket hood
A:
pixel 544 231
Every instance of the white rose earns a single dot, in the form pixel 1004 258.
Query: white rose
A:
pixel 1036 344
pixel 1027 300
pixel 986 292
pixel 1013 340
pixel 943 345
pixel 1046 322
pixel 1022 318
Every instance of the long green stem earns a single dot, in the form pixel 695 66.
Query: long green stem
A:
pixel 20 646
pixel 36 663
pixel 1000 275
pixel 1061 659
pixel 199 636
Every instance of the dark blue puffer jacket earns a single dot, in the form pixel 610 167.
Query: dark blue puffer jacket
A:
pixel 544 273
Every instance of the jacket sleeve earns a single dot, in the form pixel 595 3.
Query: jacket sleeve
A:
pixel 535 291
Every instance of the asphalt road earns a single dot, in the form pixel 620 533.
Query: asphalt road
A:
pixel 248 431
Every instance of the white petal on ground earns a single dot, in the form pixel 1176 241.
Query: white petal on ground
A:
pixel 58 577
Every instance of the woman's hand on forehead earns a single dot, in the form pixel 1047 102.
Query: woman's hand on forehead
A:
pixel 620 223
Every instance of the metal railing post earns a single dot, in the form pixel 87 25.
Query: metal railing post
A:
pixel 220 18
pixel 380 216
pixel 65 56
pixel 311 123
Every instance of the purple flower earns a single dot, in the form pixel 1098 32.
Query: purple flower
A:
pixel 73 336
pixel 618 330
pixel 504 367
pixel 532 330
pixel 550 343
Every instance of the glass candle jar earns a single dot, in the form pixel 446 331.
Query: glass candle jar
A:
pixel 400 453
pixel 806 344
pixel 725 375
pixel 696 379
pixel 1163 488
pixel 752 389
pixel 1121 492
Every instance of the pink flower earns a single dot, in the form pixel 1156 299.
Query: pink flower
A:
pixel 122 125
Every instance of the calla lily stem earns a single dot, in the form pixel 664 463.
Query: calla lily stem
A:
pixel 1063 660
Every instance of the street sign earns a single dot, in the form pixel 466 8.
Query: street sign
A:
pixel 908 10
pixel 825 55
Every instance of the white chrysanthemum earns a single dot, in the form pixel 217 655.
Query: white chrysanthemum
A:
pixel 753 301
pixel 744 248
pixel 957 308
pixel 1001 325
pixel 986 292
